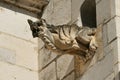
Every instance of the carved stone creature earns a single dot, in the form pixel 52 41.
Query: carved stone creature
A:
pixel 69 39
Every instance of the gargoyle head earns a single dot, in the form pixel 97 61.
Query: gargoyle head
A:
pixel 34 27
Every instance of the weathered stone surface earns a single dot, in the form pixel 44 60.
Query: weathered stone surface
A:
pixel 40 44
pixel 105 10
pixel 15 23
pixel 70 77
pixel 105 36
pixel 75 13
pixel 35 6
pixel 13 72
pixel 26 53
pixel 114 49
pixel 45 57
pixel 49 73
pixel 110 77
pixel 62 12
pixel 117 7
pixel 58 12
pixel 111 30
pixel 107 49
pixel 48 13
pixel 116 46
pixel 65 64
pixel 102 72
pixel 7 55
pixel 117 71
pixel 117 20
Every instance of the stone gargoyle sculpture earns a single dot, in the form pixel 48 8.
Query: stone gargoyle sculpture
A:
pixel 70 39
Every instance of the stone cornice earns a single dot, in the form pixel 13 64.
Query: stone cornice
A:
pixel 34 6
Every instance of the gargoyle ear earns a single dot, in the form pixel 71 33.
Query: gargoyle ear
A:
pixel 44 22
pixel 30 23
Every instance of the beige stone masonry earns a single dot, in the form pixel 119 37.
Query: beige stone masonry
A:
pixel 13 72
pixel 65 64
pixel 24 53
pixel 48 73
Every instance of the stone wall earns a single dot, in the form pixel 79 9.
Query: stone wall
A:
pixel 105 64
pixel 18 50
pixel 107 67
pixel 53 66
pixel 23 57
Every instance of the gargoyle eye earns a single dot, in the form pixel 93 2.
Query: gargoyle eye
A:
pixel 38 24
pixel 37 30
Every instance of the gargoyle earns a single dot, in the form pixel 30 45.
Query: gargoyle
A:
pixel 70 39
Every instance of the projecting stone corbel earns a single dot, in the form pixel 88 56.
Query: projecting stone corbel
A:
pixel 66 39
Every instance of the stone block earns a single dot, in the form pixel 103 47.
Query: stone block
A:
pixel 111 30
pixel 76 4
pixel 16 24
pixel 117 71
pixel 48 13
pixel 114 49
pixel 117 7
pixel 49 73
pixel 26 53
pixel 45 57
pixel 105 10
pixel 65 64
pixel 62 12
pixel 7 55
pixel 13 72
pixel 114 46
pixel 110 77
pixel 117 20
pixel 40 44
pixel 117 51
pixel 70 77
pixel 100 70
pixel 105 35
pixel 107 49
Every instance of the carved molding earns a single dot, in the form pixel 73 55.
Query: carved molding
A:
pixel 35 6
pixel 70 39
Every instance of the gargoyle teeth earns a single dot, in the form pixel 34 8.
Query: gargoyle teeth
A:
pixel 45 34
pixel 46 40
pixel 54 48
pixel 50 44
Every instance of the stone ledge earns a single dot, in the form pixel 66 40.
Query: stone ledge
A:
pixel 29 5
pixel 21 6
